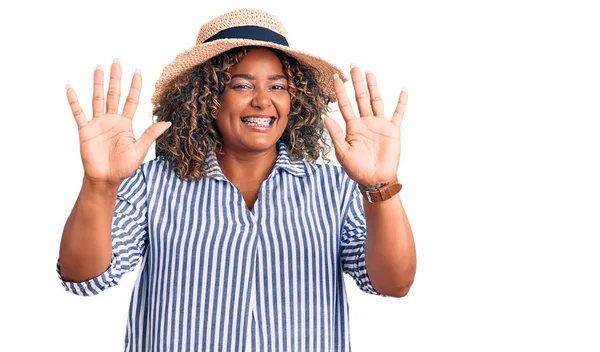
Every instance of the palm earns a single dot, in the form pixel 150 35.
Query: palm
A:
pixel 370 150
pixel 109 151
pixel 374 148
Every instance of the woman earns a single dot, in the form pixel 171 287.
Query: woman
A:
pixel 243 238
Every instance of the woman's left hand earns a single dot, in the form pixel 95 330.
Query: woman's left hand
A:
pixel 370 151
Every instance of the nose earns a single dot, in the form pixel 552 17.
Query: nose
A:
pixel 261 99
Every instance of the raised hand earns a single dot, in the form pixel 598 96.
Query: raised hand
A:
pixel 370 151
pixel 109 151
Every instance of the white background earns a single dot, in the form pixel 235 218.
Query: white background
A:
pixel 499 161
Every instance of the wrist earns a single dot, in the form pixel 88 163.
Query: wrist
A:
pixel 100 186
pixel 373 186
pixel 380 191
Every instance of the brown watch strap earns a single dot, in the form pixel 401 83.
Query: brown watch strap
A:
pixel 384 193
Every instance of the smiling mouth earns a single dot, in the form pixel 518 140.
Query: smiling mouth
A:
pixel 258 121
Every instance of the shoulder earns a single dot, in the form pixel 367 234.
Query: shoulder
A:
pixel 333 173
pixel 333 179
pixel 323 168
pixel 154 168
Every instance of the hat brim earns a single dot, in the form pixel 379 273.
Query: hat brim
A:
pixel 322 70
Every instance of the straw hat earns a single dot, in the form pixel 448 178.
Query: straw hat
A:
pixel 245 27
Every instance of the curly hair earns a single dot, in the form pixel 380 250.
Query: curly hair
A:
pixel 191 103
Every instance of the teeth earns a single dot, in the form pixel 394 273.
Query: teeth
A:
pixel 262 120
pixel 257 121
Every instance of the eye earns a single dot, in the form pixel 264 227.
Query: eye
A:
pixel 279 87
pixel 241 86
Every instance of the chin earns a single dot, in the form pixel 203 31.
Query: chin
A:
pixel 260 144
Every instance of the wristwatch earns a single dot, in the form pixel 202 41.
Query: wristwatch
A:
pixel 383 193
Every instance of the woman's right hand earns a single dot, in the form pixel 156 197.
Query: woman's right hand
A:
pixel 109 151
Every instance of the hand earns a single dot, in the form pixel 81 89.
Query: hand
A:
pixel 109 151
pixel 370 151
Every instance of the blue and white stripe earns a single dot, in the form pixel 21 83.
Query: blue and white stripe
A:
pixel 217 276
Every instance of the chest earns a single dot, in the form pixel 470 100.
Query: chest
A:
pixel 249 191
pixel 286 221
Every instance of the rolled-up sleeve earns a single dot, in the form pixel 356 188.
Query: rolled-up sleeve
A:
pixel 129 237
pixel 354 239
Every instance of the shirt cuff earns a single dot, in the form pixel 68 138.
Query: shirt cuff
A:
pixel 364 282
pixel 94 285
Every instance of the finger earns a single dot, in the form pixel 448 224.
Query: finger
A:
pixel 400 108
pixel 342 98
pixel 376 101
pixel 80 118
pixel 150 135
pixel 98 97
pixel 360 91
pixel 133 98
pixel 337 136
pixel 114 88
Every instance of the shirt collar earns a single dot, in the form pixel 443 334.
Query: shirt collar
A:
pixel 296 168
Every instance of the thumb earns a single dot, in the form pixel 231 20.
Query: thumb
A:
pixel 150 135
pixel 337 136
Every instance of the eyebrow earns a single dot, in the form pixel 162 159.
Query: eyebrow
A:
pixel 250 77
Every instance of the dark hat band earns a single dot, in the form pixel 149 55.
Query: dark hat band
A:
pixel 250 32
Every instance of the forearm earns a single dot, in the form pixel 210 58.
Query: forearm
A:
pixel 86 244
pixel 390 248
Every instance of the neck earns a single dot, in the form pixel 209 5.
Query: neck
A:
pixel 247 167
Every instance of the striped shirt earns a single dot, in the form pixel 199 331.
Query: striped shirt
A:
pixel 217 276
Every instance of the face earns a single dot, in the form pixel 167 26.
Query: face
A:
pixel 256 104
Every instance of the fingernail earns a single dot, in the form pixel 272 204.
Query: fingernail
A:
pixel 336 76
pixel 367 71
pixel 116 61
pixel 323 116
pixel 137 70
pixel 98 67
pixel 67 86
pixel 352 65
pixel 404 89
